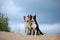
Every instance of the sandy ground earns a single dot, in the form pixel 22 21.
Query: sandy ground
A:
pixel 12 36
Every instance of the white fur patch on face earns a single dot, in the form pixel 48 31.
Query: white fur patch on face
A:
pixel 33 23
pixel 26 18
pixel 32 19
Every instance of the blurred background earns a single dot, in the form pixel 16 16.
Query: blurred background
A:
pixel 47 12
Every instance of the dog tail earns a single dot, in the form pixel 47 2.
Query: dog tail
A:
pixel 40 32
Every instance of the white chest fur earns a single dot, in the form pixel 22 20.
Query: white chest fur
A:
pixel 33 26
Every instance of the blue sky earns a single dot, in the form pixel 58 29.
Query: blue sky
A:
pixel 47 12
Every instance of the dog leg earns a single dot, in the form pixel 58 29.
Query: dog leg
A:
pixel 32 32
pixel 27 31
pixel 35 32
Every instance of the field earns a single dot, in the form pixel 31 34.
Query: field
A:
pixel 12 36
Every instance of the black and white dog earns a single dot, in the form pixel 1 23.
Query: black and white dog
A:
pixel 34 26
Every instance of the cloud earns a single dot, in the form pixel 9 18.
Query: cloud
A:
pixel 50 28
pixel 13 12
pixel 19 28
pixel 37 3
pixel 16 9
pixel 10 8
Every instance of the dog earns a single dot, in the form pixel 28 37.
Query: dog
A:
pixel 31 26
pixel 27 24
pixel 34 26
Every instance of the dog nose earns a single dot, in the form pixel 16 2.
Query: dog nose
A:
pixel 27 21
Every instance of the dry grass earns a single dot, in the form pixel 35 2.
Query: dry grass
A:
pixel 11 36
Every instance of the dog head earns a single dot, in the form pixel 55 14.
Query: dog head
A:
pixel 33 19
pixel 27 20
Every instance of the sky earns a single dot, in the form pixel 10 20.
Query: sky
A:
pixel 46 11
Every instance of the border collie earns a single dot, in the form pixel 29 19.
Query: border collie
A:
pixel 34 26
pixel 27 24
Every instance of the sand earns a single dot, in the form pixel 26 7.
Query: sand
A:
pixel 12 36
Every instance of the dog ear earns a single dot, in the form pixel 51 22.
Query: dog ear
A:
pixel 34 16
pixel 24 17
pixel 30 16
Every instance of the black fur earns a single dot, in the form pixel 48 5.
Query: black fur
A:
pixel 37 27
